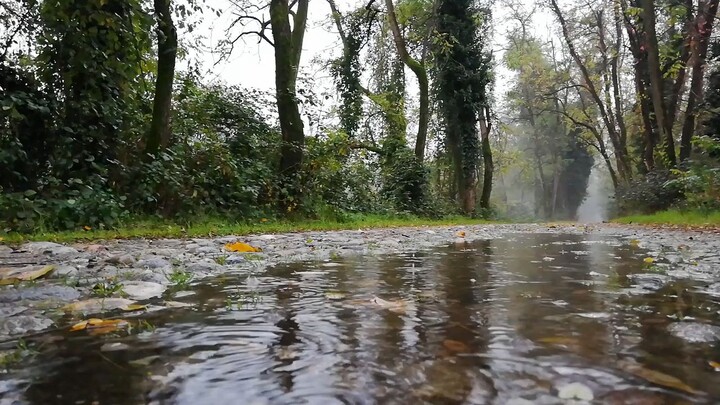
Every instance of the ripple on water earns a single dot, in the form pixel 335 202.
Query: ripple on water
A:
pixel 487 321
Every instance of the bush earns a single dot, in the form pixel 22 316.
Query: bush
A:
pixel 654 192
pixel 700 182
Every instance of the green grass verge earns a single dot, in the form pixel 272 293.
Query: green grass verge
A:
pixel 673 217
pixel 154 229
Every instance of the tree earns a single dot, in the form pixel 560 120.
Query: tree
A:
pixel 288 43
pixel 167 42
pixel 611 118
pixel 420 72
pixel 463 75
pixel 287 23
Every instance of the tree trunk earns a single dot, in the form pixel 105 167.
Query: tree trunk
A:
pixel 421 73
pixel 701 38
pixel 288 48
pixel 656 81
pixel 160 131
pixel 488 167
pixel 642 84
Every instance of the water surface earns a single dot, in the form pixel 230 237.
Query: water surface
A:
pixel 496 321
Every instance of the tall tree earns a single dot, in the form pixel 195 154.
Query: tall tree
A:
pixel 463 75
pixel 610 115
pixel 420 71
pixel 167 43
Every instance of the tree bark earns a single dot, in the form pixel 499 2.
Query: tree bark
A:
pixel 421 73
pixel 160 131
pixel 488 166
pixel 700 41
pixel 642 84
pixel 656 81
pixel 288 49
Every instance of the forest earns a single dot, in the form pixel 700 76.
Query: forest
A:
pixel 498 110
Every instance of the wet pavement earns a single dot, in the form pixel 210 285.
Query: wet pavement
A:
pixel 501 314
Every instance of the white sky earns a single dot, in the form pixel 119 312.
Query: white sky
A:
pixel 252 64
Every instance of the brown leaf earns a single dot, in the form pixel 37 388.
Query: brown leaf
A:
pixel 656 377
pixel 455 346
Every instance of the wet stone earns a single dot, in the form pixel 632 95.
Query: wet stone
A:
pixel 203 266
pixel 154 276
pixel 234 259
pixel 50 248
pixel 64 271
pixel 124 259
pixel 695 332
pixel 20 324
pixel 39 293
pixel 154 263
pixel 142 290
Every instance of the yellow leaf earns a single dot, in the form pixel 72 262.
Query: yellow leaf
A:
pixel 634 243
pixel 12 276
pixel 649 260
pixel 99 326
pixel 133 307
pixel 241 247
pixel 87 228
pixel 714 364
pixel 79 326
pixel 461 234
pixel 261 220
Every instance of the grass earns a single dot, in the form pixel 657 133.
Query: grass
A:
pixel 674 217
pixel 155 229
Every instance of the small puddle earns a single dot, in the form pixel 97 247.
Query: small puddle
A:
pixel 531 318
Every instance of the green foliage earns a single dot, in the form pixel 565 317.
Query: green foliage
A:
pixel 180 278
pixel 336 179
pixel 463 75
pixel 405 182
pixel 700 182
pixel 653 192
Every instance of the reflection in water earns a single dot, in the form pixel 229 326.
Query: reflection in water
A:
pixel 482 322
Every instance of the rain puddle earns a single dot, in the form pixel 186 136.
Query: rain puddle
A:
pixel 530 318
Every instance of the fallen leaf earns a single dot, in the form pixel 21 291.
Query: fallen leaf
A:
pixel 461 234
pixel 133 307
pixel 96 326
pixel 656 377
pixel 649 260
pixel 241 247
pixel 455 346
pixel 12 276
pixel 393 306
pixel 334 296
pixel 634 242
pixel 576 391
pixel 715 365
pixel 559 340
